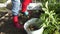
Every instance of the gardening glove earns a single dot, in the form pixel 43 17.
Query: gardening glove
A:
pixel 26 13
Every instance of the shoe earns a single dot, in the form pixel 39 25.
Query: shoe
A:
pixel 15 19
pixel 16 23
pixel 19 26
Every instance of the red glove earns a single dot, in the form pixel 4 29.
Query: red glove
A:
pixel 25 3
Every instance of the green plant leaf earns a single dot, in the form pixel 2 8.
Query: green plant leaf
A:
pixel 46 5
pixel 44 9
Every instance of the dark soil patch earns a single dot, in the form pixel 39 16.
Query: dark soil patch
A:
pixel 7 27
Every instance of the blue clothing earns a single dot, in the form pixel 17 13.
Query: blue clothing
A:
pixel 16 5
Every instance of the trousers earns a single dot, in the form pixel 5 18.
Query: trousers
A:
pixel 16 5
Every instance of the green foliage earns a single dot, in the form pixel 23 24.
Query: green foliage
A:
pixel 50 20
pixel 3 9
pixel 2 1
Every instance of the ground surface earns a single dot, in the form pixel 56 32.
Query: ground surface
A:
pixel 7 27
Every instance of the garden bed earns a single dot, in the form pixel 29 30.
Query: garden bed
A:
pixel 6 24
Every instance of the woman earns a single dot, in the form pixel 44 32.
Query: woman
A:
pixel 15 10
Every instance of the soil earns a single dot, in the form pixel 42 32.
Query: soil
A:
pixel 6 24
pixel 32 27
